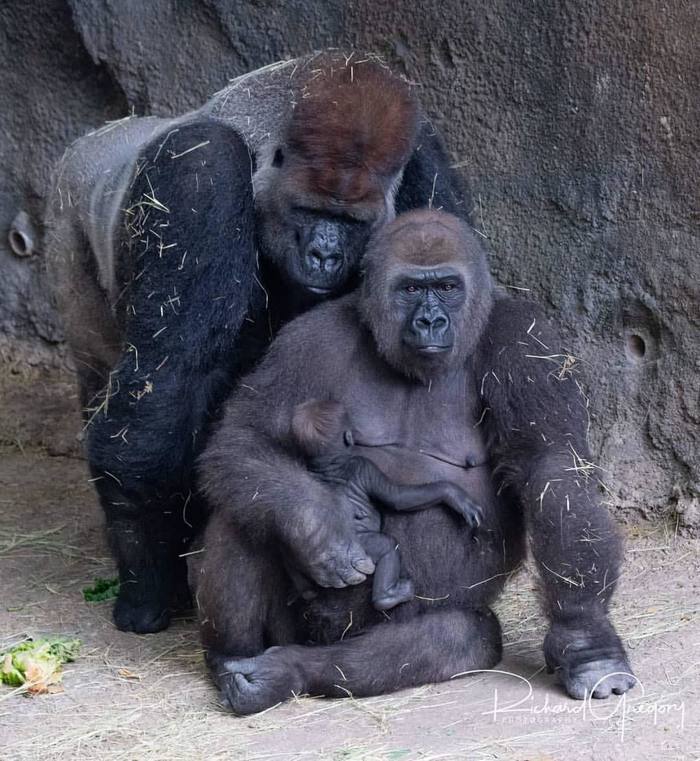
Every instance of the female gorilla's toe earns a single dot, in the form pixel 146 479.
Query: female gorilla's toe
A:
pixel 589 663
pixel 251 685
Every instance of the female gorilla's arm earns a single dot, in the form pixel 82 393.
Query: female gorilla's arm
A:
pixel 536 424
pixel 250 472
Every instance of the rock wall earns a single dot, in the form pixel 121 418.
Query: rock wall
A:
pixel 574 121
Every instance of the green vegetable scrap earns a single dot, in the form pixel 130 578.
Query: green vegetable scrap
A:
pixel 36 664
pixel 101 590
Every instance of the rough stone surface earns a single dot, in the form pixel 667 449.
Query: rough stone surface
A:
pixel 574 121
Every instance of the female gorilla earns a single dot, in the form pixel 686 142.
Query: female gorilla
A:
pixel 154 233
pixel 442 382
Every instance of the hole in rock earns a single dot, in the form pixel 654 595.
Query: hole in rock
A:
pixel 636 346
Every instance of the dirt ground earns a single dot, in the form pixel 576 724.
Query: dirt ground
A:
pixel 148 697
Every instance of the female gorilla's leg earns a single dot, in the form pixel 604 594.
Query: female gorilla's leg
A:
pixel 432 647
pixel 242 595
pixel 187 262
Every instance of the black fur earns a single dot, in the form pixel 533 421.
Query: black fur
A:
pixel 187 281
pixel 430 181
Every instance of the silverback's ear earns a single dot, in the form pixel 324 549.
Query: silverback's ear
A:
pixel 390 197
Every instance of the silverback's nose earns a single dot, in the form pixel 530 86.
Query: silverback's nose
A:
pixel 323 252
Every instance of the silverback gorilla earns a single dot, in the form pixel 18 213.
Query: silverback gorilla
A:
pixel 443 380
pixel 154 232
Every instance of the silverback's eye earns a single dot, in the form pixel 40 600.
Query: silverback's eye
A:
pixel 411 289
pixel 447 287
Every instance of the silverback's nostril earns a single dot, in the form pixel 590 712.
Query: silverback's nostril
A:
pixel 317 261
pixel 331 264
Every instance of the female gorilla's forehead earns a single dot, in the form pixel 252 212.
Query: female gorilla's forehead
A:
pixel 424 239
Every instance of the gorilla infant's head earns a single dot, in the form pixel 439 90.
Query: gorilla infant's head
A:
pixel 427 292
pixel 321 427
pixel 332 181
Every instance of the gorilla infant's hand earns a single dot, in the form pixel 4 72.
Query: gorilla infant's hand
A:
pixel 589 659
pixel 331 555
pixel 459 501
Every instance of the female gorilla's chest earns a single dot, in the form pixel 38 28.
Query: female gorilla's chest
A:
pixel 420 434
pixel 437 422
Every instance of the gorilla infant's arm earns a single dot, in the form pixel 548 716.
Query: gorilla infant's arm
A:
pixel 322 429
pixel 362 474
pixel 536 424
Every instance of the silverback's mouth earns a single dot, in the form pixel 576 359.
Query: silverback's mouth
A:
pixel 432 349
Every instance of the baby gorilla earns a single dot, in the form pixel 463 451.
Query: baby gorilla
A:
pixel 322 431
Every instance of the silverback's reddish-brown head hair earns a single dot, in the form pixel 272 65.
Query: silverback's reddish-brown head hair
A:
pixel 353 129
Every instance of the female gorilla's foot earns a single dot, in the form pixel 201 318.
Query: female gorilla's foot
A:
pixel 590 660
pixel 250 685
pixel 432 647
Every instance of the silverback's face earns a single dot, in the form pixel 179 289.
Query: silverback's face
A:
pixel 330 180
pixel 315 241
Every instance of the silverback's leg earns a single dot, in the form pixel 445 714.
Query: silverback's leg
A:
pixel 188 264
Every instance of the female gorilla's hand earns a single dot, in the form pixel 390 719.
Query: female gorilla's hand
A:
pixel 326 548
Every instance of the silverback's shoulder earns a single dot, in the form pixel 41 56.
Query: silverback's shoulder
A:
pixel 94 158
pixel 259 103
pixel 333 326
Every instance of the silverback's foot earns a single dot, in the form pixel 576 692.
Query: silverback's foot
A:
pixel 251 685
pixel 588 661
pixel 402 591
pixel 144 618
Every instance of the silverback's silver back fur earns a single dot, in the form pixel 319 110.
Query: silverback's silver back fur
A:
pixel 90 184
